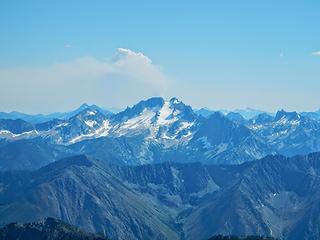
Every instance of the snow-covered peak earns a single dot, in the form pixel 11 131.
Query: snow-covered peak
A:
pixel 156 104
pixel 153 104
pixel 155 118
pixel 166 114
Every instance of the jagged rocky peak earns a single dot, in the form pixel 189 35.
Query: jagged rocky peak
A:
pixel 156 117
pixel 219 129
pixel 88 112
pixel 93 108
pixel 236 117
pixel 204 112
pixel 175 100
pixel 288 115
pixel 149 103
pixel 213 118
pixel 137 109
pixel 88 118
pixel 185 110
pixel 160 107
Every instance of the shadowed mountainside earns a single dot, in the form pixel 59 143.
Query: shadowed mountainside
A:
pixel 275 196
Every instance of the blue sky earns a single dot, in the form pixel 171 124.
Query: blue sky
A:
pixel 219 54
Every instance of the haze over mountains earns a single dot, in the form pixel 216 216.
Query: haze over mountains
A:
pixel 38 118
pixel 160 170
pixel 156 130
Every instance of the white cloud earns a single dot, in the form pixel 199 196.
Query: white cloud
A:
pixel 317 53
pixel 126 77
pixel 123 53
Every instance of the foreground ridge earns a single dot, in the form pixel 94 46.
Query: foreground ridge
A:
pixel 48 229
pixel 275 196
pixel 221 237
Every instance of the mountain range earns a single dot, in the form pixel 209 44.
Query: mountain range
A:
pixel 39 118
pixel 246 113
pixel 160 170
pixel 154 131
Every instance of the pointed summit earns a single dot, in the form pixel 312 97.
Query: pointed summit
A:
pixel 236 117
pixel 90 109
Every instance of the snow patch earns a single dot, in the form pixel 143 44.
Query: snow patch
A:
pixel 9 135
pixel 100 132
pixel 139 122
pixel 164 114
pixel 92 113
pixel 90 123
